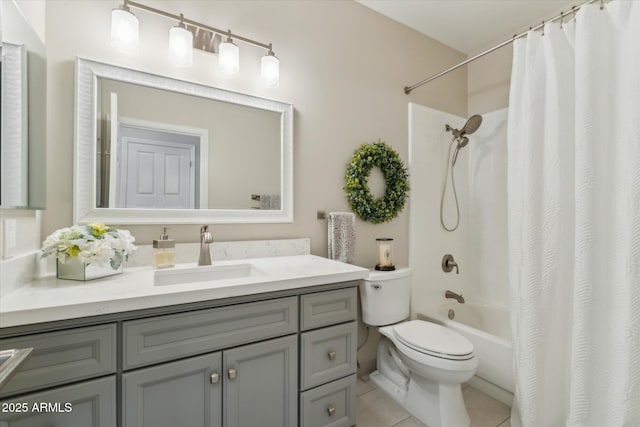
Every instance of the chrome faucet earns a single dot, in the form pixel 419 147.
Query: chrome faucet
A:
pixel 457 297
pixel 205 239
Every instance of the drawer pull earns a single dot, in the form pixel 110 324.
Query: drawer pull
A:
pixel 331 410
pixel 215 378
pixel 233 373
pixel 331 355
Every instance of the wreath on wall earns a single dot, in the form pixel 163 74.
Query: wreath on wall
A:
pixel 362 202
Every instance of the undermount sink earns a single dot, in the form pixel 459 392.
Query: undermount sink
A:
pixel 207 273
pixel 10 361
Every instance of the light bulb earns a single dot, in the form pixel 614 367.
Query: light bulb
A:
pixel 270 70
pixel 124 30
pixel 229 58
pixel 181 46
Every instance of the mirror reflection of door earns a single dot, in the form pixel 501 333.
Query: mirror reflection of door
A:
pixel 151 165
pixel 154 173
pixel 159 168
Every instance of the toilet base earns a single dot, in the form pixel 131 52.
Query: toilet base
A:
pixel 437 405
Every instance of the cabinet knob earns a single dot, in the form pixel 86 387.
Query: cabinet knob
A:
pixel 233 373
pixel 215 378
pixel 331 355
pixel 331 410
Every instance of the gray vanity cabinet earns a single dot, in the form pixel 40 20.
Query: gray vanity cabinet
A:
pixel 285 359
pixel 258 381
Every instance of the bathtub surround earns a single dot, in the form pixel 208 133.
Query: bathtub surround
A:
pixel 428 241
pixel 479 241
pixel 574 201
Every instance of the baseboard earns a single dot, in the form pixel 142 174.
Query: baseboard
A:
pixel 497 392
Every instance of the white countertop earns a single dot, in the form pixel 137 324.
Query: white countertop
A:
pixel 50 299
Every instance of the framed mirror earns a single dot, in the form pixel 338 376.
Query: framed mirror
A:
pixel 23 112
pixel 152 149
pixel 14 159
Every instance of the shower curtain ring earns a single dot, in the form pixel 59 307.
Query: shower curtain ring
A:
pixel 601 4
pixel 561 19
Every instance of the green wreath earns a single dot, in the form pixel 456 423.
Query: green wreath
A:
pixel 396 177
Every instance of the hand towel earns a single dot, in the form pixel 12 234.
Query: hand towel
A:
pixel 270 201
pixel 341 236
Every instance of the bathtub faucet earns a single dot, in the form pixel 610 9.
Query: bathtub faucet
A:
pixel 457 297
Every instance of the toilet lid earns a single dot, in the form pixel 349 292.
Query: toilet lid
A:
pixel 433 339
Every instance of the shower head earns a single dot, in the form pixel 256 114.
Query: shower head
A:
pixel 472 124
pixel 470 127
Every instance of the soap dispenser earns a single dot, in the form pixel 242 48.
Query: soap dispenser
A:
pixel 163 250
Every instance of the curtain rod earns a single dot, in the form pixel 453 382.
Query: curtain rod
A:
pixel 574 9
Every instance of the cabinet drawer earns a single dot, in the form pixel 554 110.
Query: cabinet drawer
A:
pixel 328 354
pixel 62 357
pixel 164 338
pixel 330 405
pixel 87 404
pixel 328 308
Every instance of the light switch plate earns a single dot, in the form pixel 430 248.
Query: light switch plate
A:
pixel 9 245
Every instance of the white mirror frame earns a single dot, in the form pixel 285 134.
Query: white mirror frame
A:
pixel 14 141
pixel 84 210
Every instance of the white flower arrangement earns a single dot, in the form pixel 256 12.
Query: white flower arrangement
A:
pixel 91 243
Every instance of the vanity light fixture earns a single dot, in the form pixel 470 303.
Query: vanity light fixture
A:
pixel 270 69
pixel 124 30
pixel 181 44
pixel 229 57
pixel 187 35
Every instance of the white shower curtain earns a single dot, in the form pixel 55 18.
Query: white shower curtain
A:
pixel 574 220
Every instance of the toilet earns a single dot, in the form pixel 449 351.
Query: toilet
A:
pixel 420 364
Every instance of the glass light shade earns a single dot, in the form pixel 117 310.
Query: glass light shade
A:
pixel 229 58
pixel 124 31
pixel 180 46
pixel 270 70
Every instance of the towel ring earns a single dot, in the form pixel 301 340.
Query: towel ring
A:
pixel 362 202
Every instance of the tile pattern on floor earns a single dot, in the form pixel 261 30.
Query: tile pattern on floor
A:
pixel 375 409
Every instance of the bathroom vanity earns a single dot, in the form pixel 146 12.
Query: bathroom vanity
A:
pixel 272 348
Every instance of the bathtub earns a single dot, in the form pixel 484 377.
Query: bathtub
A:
pixel 488 329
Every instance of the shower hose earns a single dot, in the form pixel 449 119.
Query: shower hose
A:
pixel 450 164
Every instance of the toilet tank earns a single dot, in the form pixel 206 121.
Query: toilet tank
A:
pixel 385 296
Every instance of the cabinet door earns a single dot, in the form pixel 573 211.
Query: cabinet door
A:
pixel 183 393
pixel 88 404
pixel 261 384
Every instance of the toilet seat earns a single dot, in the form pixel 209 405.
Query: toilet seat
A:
pixel 433 340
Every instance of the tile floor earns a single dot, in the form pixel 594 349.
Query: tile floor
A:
pixel 375 409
